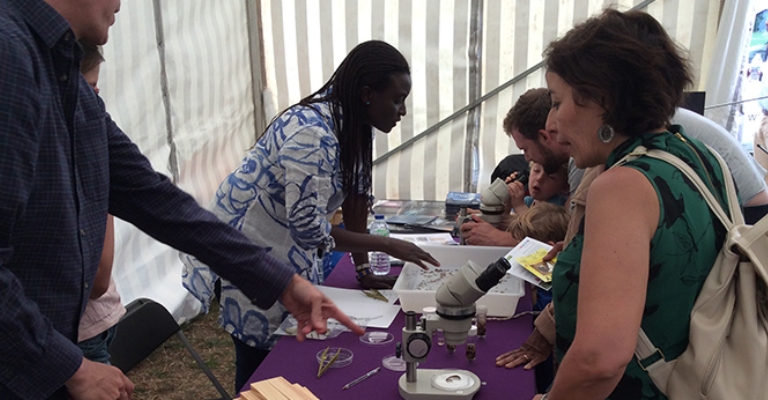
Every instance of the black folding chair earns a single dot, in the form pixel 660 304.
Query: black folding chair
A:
pixel 146 326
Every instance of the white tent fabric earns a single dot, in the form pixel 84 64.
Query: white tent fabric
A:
pixel 433 36
pixel 724 69
pixel 191 115
pixel 179 80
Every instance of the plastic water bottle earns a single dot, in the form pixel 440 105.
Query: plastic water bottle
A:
pixel 379 260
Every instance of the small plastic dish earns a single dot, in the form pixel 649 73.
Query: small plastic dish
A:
pixel 393 363
pixel 344 358
pixel 374 338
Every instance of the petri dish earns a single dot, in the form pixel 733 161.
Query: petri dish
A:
pixel 393 363
pixel 345 356
pixel 452 381
pixel 374 338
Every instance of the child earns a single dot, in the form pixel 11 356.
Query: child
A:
pixel 104 309
pixel 552 188
pixel 545 222
pixel 548 223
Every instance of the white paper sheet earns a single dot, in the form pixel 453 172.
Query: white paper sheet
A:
pixel 356 304
pixel 426 238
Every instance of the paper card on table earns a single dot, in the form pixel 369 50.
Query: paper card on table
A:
pixel 426 238
pixel 356 304
pixel 528 248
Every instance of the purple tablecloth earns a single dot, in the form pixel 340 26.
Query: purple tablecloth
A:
pixel 297 362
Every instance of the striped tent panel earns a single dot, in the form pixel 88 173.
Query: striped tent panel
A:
pixel 304 40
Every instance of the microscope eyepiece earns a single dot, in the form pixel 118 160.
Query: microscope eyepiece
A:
pixel 522 177
pixel 493 274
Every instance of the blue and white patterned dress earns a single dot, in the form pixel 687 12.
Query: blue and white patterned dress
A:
pixel 282 197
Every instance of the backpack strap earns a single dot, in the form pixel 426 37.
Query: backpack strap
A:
pixel 736 217
pixel 651 358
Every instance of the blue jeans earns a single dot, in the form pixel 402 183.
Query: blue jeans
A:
pixel 97 348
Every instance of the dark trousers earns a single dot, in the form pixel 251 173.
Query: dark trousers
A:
pixel 247 359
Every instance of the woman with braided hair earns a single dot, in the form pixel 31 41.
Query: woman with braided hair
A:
pixel 313 158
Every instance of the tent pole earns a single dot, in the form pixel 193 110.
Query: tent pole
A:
pixel 256 50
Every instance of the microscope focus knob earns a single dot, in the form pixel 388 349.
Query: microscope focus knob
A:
pixel 418 345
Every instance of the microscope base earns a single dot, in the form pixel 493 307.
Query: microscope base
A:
pixel 424 389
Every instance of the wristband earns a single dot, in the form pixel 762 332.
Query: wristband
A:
pixel 363 272
pixel 363 266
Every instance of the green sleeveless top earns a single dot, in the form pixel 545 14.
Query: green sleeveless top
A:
pixel 687 240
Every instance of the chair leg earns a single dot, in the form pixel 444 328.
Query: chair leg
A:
pixel 203 366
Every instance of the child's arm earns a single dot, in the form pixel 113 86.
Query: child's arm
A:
pixel 517 196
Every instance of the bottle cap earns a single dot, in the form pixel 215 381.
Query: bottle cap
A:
pixel 429 310
pixel 379 217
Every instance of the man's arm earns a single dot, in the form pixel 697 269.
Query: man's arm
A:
pixel 480 233
pixel 150 201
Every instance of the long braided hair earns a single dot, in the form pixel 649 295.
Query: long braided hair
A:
pixel 369 64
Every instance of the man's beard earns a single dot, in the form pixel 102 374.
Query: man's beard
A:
pixel 551 162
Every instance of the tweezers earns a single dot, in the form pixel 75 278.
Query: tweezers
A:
pixel 323 365
pixel 375 294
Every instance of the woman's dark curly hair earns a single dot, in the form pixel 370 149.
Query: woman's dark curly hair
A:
pixel 626 63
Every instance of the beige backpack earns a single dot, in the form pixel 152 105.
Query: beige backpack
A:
pixel 727 357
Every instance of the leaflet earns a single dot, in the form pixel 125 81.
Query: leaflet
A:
pixel 527 264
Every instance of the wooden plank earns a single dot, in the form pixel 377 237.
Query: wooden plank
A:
pixel 251 395
pixel 268 391
pixel 307 394
pixel 277 388
pixel 285 387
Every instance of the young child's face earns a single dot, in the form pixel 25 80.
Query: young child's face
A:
pixel 542 186
pixel 92 77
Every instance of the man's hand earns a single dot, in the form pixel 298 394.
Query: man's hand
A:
pixel 409 252
pixel 371 281
pixel 97 381
pixel 480 233
pixel 312 308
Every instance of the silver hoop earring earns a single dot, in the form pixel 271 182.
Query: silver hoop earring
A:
pixel 605 133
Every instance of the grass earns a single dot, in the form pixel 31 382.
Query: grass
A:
pixel 171 373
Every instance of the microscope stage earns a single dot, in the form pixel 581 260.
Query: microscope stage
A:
pixel 435 384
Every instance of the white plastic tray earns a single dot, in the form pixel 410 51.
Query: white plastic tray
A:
pixel 416 288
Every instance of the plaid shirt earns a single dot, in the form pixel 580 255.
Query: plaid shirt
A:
pixel 63 165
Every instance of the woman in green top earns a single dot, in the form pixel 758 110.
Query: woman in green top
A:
pixel 648 239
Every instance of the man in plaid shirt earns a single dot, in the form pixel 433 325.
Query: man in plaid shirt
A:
pixel 64 164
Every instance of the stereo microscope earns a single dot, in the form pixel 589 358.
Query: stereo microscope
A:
pixel 456 299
